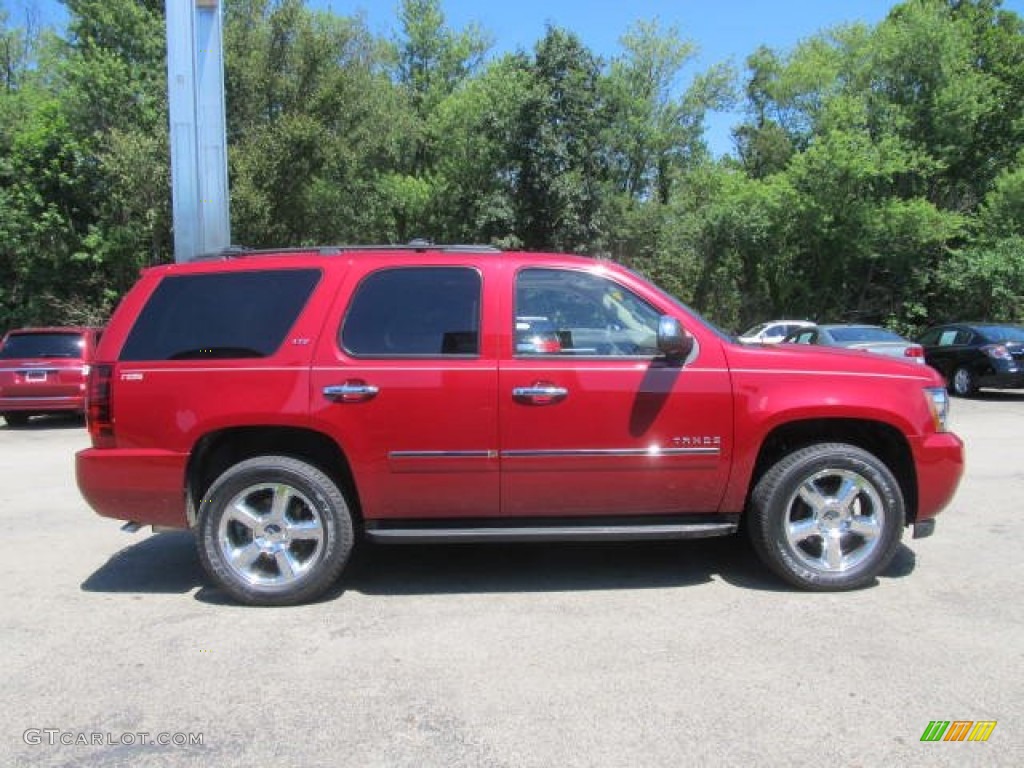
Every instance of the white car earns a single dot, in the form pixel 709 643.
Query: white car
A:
pixel 773 332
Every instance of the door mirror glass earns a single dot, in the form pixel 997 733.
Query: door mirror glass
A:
pixel 673 341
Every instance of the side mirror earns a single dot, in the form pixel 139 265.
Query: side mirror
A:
pixel 673 342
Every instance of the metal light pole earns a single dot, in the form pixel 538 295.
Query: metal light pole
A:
pixel 199 159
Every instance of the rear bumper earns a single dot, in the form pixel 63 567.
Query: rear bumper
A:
pixel 74 403
pixel 939 459
pixel 145 486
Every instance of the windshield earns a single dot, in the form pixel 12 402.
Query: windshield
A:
pixel 864 333
pixel 755 330
pixel 20 345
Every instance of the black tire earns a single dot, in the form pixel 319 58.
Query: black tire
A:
pixel 827 517
pixel 274 530
pixel 16 419
pixel 964 383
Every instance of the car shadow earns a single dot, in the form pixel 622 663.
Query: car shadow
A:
pixel 55 421
pixel 167 563
pixel 999 395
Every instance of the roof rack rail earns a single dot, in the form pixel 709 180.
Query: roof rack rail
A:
pixel 241 251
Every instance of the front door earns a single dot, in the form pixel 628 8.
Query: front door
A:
pixel 593 421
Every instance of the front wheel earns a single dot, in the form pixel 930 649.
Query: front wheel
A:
pixel 274 530
pixel 827 517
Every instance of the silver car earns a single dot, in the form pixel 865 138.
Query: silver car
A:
pixel 868 338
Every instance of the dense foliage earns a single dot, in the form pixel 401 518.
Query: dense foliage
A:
pixel 878 171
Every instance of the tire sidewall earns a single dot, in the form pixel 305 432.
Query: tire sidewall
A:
pixel 17 419
pixel 968 377
pixel 771 511
pixel 321 492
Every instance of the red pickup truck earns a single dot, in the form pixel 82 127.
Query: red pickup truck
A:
pixel 286 404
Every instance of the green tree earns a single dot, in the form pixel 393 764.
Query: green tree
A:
pixel 72 246
pixel 114 96
pixel 433 60
pixel 314 126
pixel 559 153
pixel 475 130
pixel 432 63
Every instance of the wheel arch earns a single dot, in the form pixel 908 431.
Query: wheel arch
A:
pixel 882 440
pixel 216 451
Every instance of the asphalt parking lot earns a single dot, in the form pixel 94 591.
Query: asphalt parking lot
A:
pixel 658 654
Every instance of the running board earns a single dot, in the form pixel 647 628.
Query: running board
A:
pixel 395 535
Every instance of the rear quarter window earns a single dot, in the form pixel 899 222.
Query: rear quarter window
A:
pixel 220 316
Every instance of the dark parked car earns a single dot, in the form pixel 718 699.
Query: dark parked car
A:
pixel 44 370
pixel 866 338
pixel 975 355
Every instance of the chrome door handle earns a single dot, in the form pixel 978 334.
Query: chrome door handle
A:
pixel 540 394
pixel 351 392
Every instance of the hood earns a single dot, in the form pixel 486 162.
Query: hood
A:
pixel 805 357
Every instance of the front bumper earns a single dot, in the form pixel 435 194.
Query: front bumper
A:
pixel 144 486
pixel 939 459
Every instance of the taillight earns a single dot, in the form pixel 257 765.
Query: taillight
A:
pixel 99 409
pixel 915 351
pixel 997 351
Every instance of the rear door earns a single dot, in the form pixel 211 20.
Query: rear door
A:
pixel 405 380
pixel 949 347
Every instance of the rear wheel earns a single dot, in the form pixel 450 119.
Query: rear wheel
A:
pixel 965 383
pixel 827 517
pixel 16 419
pixel 274 530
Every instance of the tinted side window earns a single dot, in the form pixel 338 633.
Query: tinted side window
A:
pixel 414 311
pixel 236 315
pixel 930 338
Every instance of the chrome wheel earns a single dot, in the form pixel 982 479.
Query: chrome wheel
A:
pixel 270 535
pixel 834 521
pixel 827 516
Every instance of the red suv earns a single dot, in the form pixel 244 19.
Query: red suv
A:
pixel 44 370
pixel 285 404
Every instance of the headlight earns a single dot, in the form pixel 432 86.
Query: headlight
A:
pixel 938 404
